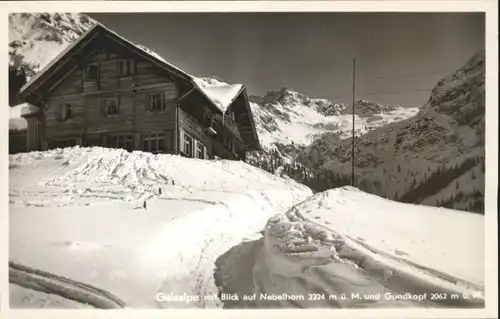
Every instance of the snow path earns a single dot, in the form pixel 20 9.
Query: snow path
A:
pixel 79 213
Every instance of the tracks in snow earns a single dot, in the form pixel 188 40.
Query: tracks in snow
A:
pixel 43 281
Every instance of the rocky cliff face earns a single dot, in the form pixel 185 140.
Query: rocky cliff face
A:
pixel 364 108
pixel 291 97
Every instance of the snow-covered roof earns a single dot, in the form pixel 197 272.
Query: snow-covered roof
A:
pixel 219 93
pixel 22 109
pixel 16 113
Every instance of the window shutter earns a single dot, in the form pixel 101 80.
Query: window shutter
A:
pixel 118 104
pixel 205 152
pixel 193 147
pixel 181 141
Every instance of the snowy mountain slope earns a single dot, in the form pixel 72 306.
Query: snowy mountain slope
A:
pixel 78 213
pixel 35 39
pixel 375 252
pixel 417 159
pixel 286 116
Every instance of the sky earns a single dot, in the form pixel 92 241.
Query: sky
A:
pixel 399 56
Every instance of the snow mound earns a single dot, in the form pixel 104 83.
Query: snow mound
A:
pixel 344 248
pixel 412 231
pixel 379 246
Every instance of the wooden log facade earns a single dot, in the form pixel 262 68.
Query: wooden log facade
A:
pixel 106 94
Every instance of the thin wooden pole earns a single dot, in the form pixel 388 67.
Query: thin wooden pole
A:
pixel 353 115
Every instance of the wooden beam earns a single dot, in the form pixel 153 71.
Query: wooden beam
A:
pixel 144 54
pixel 62 78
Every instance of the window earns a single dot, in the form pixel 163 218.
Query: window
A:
pixel 188 145
pixel 122 141
pixel 201 150
pixel 208 119
pixel 126 68
pixel 64 111
pixel 154 143
pixel 110 106
pixel 92 72
pixel 155 102
pixel 233 116
pixel 204 118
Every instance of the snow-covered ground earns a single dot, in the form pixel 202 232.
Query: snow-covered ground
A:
pixel 78 213
pixel 35 39
pixel 370 249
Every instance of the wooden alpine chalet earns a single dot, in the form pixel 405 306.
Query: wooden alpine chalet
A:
pixel 105 91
